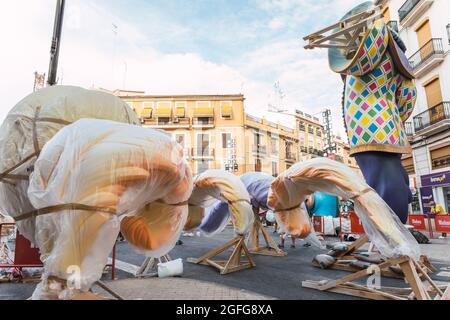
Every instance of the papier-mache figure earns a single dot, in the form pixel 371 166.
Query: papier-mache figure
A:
pixel 379 96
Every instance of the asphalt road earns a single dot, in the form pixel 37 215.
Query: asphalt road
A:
pixel 277 277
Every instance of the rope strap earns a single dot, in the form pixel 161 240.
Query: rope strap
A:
pixel 288 209
pixel 7 174
pixel 62 207
pixel 77 206
pixel 360 193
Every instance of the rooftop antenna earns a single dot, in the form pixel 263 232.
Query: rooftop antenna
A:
pixel 279 108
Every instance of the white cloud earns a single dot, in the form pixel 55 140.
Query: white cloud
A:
pixel 92 55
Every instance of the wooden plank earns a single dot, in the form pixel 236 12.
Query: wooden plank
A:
pixel 376 291
pixel 346 290
pixel 355 245
pixel 413 279
pixel 357 16
pixel 362 273
pixel 427 277
pixel 446 295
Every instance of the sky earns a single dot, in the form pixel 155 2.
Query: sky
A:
pixel 178 47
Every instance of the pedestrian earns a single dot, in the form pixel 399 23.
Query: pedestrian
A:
pixel 439 210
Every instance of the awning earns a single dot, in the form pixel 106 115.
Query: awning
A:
pixel 147 113
pixel 163 112
pixel 204 112
pixel 226 111
pixel 180 112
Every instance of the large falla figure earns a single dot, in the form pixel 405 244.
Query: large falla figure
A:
pixel 379 96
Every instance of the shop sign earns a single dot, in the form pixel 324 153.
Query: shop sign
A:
pixel 426 197
pixel 417 221
pixel 436 179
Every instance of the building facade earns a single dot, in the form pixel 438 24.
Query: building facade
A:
pixel 216 133
pixel 424 27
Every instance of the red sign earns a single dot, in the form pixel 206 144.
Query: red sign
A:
pixel 318 224
pixel 356 224
pixel 417 221
pixel 442 223
pixel 24 253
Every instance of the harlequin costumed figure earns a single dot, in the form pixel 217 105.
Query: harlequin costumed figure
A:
pixel 379 96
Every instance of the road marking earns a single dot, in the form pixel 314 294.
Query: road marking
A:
pixel 444 274
pixel 125 266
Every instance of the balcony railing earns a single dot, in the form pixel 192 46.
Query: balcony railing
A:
pixel 432 116
pixel 393 25
pixel 259 149
pixel 291 156
pixel 406 8
pixel 203 121
pixel 202 152
pixel 429 49
pixel 185 122
pixel 409 129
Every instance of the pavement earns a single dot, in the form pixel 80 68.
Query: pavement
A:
pixel 272 278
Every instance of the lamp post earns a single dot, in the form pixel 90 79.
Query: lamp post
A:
pixel 56 42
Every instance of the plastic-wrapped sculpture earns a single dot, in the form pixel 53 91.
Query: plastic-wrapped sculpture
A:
pixel 257 185
pixel 382 226
pixel 33 122
pixel 379 97
pixel 213 185
pixel 94 177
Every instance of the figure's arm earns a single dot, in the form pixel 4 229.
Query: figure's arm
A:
pixel 405 97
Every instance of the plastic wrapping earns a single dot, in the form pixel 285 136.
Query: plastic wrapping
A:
pixel 139 173
pixel 33 122
pixel 216 219
pixel 258 185
pixel 382 226
pixel 213 185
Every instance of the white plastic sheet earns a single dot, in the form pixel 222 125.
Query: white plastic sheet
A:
pixel 138 172
pixel 34 121
pixel 381 224
pixel 213 185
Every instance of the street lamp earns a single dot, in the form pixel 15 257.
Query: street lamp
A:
pixel 56 41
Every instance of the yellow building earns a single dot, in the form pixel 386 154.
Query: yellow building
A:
pixel 216 133
pixel 310 134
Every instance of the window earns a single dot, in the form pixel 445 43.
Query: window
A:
pixel 163 120
pixel 319 145
pixel 440 157
pixel 274 169
pixel 302 126
pixel 180 138
pixel 310 141
pixel 227 141
pixel 274 146
pixel 202 144
pixel 448 32
pixel 202 166
pixel 203 120
pixel 310 129
pixel 258 165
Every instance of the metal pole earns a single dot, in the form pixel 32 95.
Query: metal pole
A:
pixel 56 41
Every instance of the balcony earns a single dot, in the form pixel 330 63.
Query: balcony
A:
pixel 409 130
pixel 393 25
pixel 434 120
pixel 427 57
pixel 411 11
pixel 166 123
pixel 202 153
pixel 259 150
pixel 203 122
pixel 291 157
